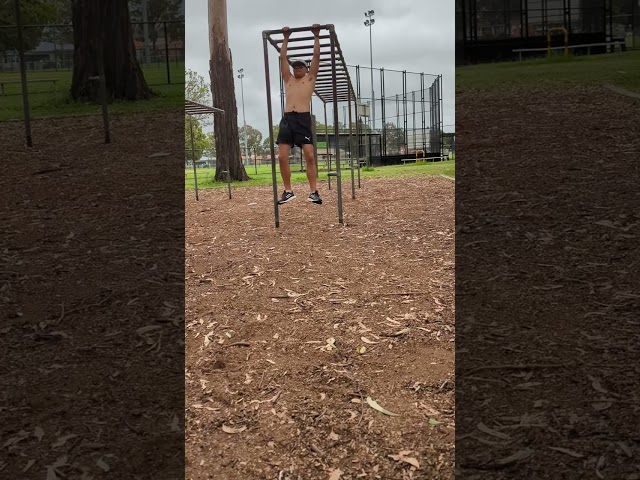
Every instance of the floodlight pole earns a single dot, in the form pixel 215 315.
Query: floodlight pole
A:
pixel 244 119
pixel 23 76
pixel 369 23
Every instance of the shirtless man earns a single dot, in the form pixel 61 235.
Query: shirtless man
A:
pixel 295 126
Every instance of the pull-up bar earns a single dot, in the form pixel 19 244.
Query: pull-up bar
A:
pixel 341 89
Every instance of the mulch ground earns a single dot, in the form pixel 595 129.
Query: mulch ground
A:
pixel 91 299
pixel 290 330
pixel 547 378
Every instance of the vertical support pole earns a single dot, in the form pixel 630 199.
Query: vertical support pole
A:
pixel 166 52
pixel 413 102
pixel 432 125
pixel 441 115
pixel 276 213
pixel 314 139
pixel 397 121
pixel 23 77
pixel 422 107
pixel 326 140
pixel 282 95
pixel 353 183
pixel 358 118
pixel 335 121
pixel 193 157
pixel 383 140
pixel 404 109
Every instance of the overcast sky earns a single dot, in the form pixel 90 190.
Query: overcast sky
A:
pixel 412 35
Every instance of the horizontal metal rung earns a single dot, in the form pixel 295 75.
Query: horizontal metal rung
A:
pixel 301 39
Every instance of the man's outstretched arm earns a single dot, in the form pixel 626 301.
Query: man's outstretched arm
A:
pixel 284 63
pixel 315 61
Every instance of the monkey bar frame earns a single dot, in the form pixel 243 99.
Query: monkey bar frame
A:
pixel 333 84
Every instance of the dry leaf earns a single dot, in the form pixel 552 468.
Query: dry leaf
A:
pixel 18 438
pixel 372 403
pixel 519 455
pixel 28 465
pixel 595 383
pixel 51 474
pixel 103 465
pixel 366 340
pixel 402 458
pixel 334 436
pixel 233 430
pixel 625 448
pixel 335 474
pixel 602 405
pixel 571 453
pixel 175 424
pixel 62 440
pixel 489 431
pixel 361 349
pixel 147 329
pixel 401 332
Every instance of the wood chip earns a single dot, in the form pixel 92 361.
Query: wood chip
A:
pixel 516 457
pixel 489 431
pixel 566 451
pixel 232 430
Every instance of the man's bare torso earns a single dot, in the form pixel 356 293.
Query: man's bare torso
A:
pixel 298 93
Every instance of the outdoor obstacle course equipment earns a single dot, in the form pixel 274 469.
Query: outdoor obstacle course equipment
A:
pixel 333 84
pixel 193 108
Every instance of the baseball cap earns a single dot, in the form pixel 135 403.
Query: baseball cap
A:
pixel 298 61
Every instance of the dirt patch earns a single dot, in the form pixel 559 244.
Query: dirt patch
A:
pixel 547 286
pixel 275 319
pixel 91 252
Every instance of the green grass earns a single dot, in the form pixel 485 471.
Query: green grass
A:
pixel 205 175
pixel 619 69
pixel 44 102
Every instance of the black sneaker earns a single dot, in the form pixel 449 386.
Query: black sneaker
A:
pixel 286 197
pixel 315 198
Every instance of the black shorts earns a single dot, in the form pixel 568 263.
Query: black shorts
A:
pixel 295 129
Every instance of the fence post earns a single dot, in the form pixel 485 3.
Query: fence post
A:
pixel 166 51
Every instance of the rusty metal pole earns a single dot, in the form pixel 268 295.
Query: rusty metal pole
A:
pixel 422 108
pixel 276 212
pixel 326 141
pixel 335 122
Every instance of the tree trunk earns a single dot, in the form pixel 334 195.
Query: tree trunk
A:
pixel 102 28
pixel 223 92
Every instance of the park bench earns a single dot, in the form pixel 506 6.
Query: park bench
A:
pixel 620 44
pixel 52 81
